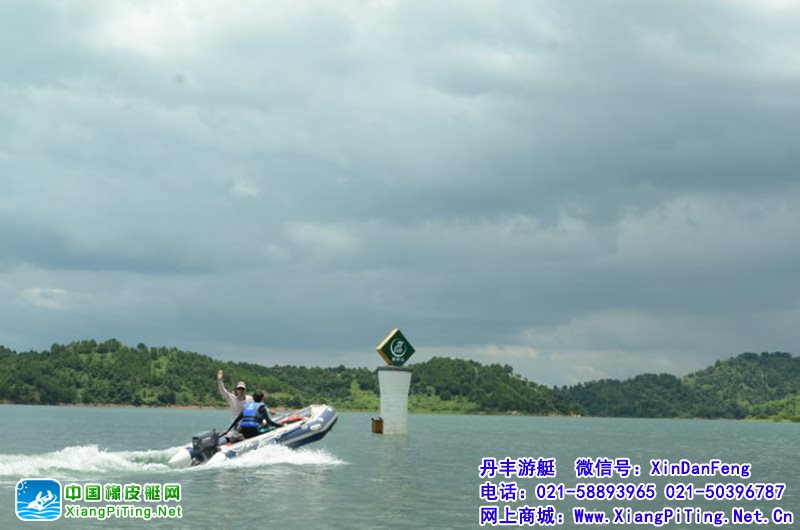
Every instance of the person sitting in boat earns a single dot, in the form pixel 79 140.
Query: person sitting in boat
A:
pixel 237 398
pixel 255 417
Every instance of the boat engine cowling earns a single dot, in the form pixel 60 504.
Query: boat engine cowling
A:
pixel 204 445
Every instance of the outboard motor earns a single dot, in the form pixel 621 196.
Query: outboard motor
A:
pixel 204 445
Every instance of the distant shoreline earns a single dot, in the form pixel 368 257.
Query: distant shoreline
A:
pixel 281 408
pixel 129 406
pixel 119 405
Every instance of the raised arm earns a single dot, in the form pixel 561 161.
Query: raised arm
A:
pixel 229 396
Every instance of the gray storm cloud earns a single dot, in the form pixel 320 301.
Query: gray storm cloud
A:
pixel 579 191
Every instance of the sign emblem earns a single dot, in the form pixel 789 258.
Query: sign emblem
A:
pixel 38 499
pixel 398 348
pixel 395 348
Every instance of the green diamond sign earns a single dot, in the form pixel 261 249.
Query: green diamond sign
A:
pixel 395 348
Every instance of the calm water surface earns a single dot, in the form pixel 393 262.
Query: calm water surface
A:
pixel 354 479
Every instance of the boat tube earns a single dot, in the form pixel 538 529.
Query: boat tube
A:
pixel 300 427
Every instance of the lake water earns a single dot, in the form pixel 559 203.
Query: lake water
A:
pixel 355 479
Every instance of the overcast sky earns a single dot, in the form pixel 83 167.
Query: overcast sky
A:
pixel 577 189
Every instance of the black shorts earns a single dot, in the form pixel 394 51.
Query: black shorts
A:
pixel 249 432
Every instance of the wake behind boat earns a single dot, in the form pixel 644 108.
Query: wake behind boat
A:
pixel 299 428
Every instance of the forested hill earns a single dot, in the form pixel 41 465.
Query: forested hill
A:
pixel 110 372
pixel 90 372
pixel 749 385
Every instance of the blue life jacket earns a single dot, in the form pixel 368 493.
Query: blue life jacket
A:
pixel 251 419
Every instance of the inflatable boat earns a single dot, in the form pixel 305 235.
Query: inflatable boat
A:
pixel 300 427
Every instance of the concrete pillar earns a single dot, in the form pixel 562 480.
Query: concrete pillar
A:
pixel 394 382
